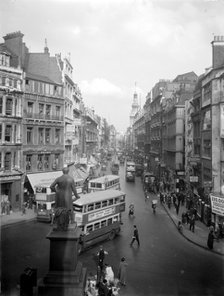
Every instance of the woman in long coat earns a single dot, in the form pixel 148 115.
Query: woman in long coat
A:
pixel 122 273
pixel 211 238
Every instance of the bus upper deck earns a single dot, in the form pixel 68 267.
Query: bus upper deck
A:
pixel 130 166
pixel 104 183
pixel 99 199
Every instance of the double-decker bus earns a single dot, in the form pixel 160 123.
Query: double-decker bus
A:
pixel 130 171
pixel 104 183
pixel 98 214
pixel 45 199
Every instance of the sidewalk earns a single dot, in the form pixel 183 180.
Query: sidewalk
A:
pixel 17 217
pixel 200 235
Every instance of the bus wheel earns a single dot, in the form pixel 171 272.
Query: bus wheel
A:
pixel 112 235
pixel 80 249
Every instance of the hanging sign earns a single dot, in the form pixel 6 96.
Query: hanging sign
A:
pixel 222 120
pixel 217 205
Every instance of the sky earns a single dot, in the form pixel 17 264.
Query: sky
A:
pixel 118 47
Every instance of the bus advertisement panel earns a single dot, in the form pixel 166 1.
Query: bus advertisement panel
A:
pixel 104 183
pixel 98 214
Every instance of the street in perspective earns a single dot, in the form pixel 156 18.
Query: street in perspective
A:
pixel 112 177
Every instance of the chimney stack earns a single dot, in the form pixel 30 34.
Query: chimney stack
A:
pixel 217 52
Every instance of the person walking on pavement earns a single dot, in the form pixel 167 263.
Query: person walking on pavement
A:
pixel 192 222
pixel 135 236
pixel 101 255
pixel 131 210
pixel 122 271
pixel 211 237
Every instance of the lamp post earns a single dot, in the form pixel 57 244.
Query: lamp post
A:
pixel 23 176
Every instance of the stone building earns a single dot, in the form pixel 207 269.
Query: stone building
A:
pixel 11 98
pixel 174 122
pixel 90 129
pixel 43 114
pixel 134 109
pixel 212 130
pixel 139 131
pixel 147 113
pixel 42 106
pixel 195 158
pixel 72 100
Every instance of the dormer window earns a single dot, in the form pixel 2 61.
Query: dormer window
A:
pixel 4 59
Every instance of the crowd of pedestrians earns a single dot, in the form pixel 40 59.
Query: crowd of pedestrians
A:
pixel 189 216
pixel 105 283
pixel 6 208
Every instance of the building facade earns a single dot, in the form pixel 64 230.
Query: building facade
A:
pixel 90 132
pixel 212 143
pixel 11 99
pixel 72 100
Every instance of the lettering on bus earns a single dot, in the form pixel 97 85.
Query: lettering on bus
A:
pixel 100 214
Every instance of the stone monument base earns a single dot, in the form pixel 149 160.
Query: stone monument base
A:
pixel 61 284
pixel 66 276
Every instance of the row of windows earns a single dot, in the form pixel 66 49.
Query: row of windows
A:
pixel 45 135
pixel 98 205
pixel 101 224
pixel 10 82
pixel 44 110
pixel 108 184
pixel 43 88
pixel 42 162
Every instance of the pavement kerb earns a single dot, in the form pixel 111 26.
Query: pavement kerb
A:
pixel 187 238
pixel 9 224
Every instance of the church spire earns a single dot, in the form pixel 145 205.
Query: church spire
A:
pixel 134 106
pixel 46 49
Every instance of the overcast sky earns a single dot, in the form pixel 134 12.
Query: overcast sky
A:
pixel 115 43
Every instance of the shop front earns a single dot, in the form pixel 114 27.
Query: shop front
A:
pixel 10 195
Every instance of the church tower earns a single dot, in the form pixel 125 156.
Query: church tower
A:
pixel 134 107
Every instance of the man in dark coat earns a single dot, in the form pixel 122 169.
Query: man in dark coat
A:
pixel 135 236
pixel 64 186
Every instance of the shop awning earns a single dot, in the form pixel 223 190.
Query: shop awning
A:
pixel 43 178
pixel 77 173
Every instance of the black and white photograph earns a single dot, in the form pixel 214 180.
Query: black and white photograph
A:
pixel 112 147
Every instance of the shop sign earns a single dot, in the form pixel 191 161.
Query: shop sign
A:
pixel 180 173
pixel 217 205
pixel 10 178
pixel 194 179
pixel 222 120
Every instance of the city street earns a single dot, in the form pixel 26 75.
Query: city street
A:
pixel 164 264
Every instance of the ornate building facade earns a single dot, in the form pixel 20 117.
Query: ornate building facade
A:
pixel 11 98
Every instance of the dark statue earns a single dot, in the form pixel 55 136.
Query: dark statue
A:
pixel 64 186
